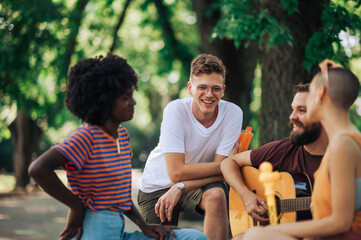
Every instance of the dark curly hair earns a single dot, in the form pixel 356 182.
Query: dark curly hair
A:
pixel 95 83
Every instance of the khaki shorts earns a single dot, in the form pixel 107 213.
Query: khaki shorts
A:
pixel 189 202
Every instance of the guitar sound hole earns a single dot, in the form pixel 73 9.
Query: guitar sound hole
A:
pixel 265 223
pixel 279 214
pixel 296 202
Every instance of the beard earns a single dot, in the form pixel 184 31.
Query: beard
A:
pixel 311 132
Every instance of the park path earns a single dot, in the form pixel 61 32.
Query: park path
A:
pixel 38 216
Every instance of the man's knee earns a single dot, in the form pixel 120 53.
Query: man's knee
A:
pixel 214 197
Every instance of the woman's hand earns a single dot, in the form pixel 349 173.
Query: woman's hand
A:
pixel 159 231
pixel 74 224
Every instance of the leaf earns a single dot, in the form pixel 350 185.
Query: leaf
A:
pixel 290 5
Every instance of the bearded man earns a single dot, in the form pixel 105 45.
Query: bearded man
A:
pixel 301 152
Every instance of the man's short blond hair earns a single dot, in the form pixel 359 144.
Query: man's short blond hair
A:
pixel 207 63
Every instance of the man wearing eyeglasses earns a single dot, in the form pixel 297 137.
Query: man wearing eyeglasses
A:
pixel 183 172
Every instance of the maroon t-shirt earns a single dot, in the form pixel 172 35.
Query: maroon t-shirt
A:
pixel 286 157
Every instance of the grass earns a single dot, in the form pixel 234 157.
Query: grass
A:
pixel 7 181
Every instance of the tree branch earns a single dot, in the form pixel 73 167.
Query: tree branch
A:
pixel 117 27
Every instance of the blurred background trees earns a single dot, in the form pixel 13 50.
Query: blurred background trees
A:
pixel 267 47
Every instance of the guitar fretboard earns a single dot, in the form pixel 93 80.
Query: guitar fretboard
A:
pixel 295 204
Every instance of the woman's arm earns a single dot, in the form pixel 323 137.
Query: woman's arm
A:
pixel 42 171
pixel 341 168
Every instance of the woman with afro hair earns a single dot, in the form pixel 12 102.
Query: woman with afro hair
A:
pixel 97 156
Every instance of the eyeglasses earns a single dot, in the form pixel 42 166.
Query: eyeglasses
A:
pixel 216 90
pixel 325 65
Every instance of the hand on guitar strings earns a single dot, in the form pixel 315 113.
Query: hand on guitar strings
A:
pixel 256 207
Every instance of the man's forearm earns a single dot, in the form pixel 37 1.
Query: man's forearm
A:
pixel 198 183
pixel 232 174
pixel 193 171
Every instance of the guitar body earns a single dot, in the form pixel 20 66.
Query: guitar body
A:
pixel 240 221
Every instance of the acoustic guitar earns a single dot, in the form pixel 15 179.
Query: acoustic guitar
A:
pixel 292 194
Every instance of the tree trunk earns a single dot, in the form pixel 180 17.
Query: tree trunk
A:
pixel 283 66
pixel 25 136
pixel 240 63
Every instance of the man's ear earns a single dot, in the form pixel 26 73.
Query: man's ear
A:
pixel 321 92
pixel 189 86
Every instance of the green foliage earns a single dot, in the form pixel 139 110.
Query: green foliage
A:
pixel 34 41
pixel 7 183
pixel 26 35
pixel 142 142
pixel 355 113
pixel 24 29
pixel 291 6
pixel 338 16
pixel 242 22
pixel 255 107
pixel 318 48
pixel 35 38
pixel 246 21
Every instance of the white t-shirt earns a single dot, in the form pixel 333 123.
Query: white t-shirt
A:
pixel 182 133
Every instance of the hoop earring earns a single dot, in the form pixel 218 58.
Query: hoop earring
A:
pixel 318 101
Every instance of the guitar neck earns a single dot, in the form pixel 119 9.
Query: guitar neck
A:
pixel 295 204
